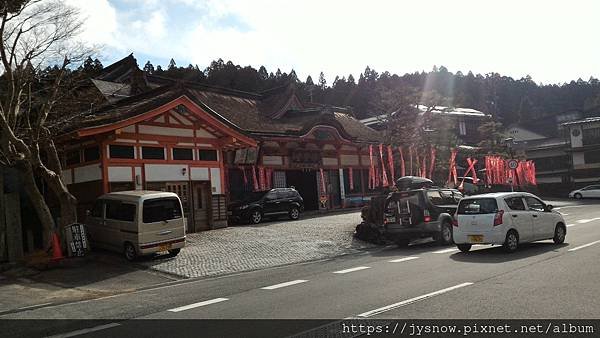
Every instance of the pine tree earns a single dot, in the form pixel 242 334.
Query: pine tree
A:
pixel 322 81
pixel 309 81
pixel 149 68
pixel 172 65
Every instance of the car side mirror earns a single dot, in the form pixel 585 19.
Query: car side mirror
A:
pixel 549 207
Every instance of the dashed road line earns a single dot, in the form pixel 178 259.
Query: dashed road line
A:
pixel 584 246
pixel 358 268
pixel 445 251
pixel 85 331
pixel 570 225
pixel 403 259
pixel 30 307
pixel 412 300
pixel 195 305
pixel 282 285
pixel 582 221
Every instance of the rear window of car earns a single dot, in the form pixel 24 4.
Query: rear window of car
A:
pixel 161 209
pixel 443 197
pixel 477 206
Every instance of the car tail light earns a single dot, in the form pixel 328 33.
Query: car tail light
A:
pixel 498 217
pixel 426 216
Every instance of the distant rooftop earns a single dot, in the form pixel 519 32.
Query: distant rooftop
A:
pixel 467 112
pixel 586 120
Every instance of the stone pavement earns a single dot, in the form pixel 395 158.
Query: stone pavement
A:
pixel 269 244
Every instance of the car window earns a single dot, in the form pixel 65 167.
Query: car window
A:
pixel 448 197
pixel 161 209
pixel 435 197
pixel 271 196
pixel 97 209
pixel 515 203
pixel 535 204
pixel 478 206
pixel 119 211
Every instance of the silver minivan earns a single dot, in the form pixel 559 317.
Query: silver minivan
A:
pixel 137 223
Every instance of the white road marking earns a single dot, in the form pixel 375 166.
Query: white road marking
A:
pixel 581 221
pixel 353 269
pixel 445 251
pixel 570 225
pixel 195 305
pixel 563 214
pixel 570 206
pixel 33 306
pixel 282 285
pixel 403 259
pixel 412 300
pixel 84 331
pixel 584 246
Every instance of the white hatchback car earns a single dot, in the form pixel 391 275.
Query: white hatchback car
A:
pixel 590 191
pixel 506 218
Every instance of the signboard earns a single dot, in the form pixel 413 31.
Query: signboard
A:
pixel 246 156
pixel 513 164
pixel 306 159
pixel 76 239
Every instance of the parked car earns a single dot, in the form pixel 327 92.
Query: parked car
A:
pixel 273 203
pixel 418 213
pixel 591 191
pixel 137 223
pixel 508 219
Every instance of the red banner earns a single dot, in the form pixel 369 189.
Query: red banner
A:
pixel 424 166
pixel 261 179
pixel 372 170
pixel 410 153
pixel 402 166
pixel 269 174
pixel 244 174
pixel 323 187
pixel 254 179
pixel 383 171
pixel 452 176
pixel 391 164
pixel 432 164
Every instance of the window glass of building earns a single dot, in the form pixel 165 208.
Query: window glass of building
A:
pixel 91 154
pixel 118 151
pixel 207 155
pixel 183 154
pixel 153 153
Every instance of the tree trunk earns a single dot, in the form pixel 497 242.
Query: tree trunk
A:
pixel 37 201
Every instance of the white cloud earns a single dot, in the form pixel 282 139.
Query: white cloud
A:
pixel 553 41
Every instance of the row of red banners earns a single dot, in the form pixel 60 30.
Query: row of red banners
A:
pixel 262 178
pixel 419 165
pixel 498 172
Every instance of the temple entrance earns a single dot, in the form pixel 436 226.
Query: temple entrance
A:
pixel 305 181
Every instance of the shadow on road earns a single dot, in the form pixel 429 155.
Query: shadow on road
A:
pixel 496 254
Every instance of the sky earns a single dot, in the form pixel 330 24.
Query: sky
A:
pixel 552 41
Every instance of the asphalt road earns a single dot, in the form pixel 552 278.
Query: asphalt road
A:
pixel 540 280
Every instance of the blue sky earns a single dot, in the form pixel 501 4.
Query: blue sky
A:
pixel 553 41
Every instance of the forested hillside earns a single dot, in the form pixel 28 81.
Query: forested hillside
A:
pixel 509 100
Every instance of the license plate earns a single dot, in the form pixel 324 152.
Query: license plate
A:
pixel 164 247
pixel 475 238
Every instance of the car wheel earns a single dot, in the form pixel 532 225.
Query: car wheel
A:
pixel 464 247
pixel 445 235
pixel 294 213
pixel 256 217
pixel 129 252
pixel 174 252
pixel 577 196
pixel 512 241
pixel 559 234
pixel 402 242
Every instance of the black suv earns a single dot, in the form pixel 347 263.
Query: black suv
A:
pixel 418 213
pixel 273 203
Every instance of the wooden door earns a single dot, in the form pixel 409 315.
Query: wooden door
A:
pixel 202 205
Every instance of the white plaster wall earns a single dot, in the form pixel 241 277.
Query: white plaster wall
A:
pixel 129 129
pixel 199 174
pixel 349 159
pixel 215 180
pixel 66 176
pixel 154 130
pixel 576 141
pixel 138 181
pixel 204 133
pixel 342 188
pixel 578 159
pixel 165 172
pixel 119 174
pixel 520 134
pixel 272 160
pixel 330 161
pixel 88 173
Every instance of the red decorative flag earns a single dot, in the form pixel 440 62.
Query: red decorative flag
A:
pixel 383 171
pixel 269 174
pixel 245 177
pixel 424 166
pixel 261 178
pixel 452 175
pixel 254 179
pixel 372 166
pixel 391 164
pixel 323 187
pixel 350 179
pixel 377 182
pixel 410 152
pixel 432 164
pixel 402 167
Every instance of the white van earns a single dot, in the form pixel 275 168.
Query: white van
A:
pixel 137 223
pixel 507 218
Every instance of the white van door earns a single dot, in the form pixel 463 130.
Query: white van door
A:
pixel 521 217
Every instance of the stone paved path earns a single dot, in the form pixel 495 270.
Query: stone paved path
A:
pixel 269 244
